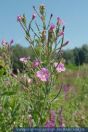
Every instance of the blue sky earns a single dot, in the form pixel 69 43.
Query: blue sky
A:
pixel 73 12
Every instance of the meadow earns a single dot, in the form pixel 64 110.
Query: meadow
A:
pixel 14 101
pixel 44 91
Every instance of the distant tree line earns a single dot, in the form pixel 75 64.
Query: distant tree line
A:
pixel 76 56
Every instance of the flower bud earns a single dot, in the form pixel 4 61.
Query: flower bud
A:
pixel 52 27
pixel 33 16
pixel 11 42
pixel 59 21
pixel 42 9
pixel 19 18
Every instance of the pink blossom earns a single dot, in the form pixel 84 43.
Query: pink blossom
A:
pixel 59 21
pixel 59 67
pixel 24 59
pixel 43 74
pixel 51 121
pixel 52 27
pixel 36 63
pixel 33 16
pixel 19 18
pixel 3 42
pixel 50 124
pixel 61 33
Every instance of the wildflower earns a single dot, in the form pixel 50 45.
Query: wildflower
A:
pixel 36 63
pixel 61 33
pixel 43 74
pixel 52 26
pixel 49 124
pixel 59 67
pixel 19 18
pixel 33 16
pixel 3 42
pixel 51 121
pixel 24 59
pixel 59 21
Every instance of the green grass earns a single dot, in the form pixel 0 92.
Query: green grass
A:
pixel 14 101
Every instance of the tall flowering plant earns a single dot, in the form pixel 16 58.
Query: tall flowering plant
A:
pixel 40 76
pixel 43 71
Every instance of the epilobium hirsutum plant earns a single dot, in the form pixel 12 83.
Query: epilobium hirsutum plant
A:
pixel 5 57
pixel 43 71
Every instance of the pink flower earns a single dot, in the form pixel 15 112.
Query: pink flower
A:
pixel 36 63
pixel 3 42
pixel 43 74
pixel 51 121
pixel 33 16
pixel 19 18
pixel 24 59
pixel 50 124
pixel 59 67
pixel 61 33
pixel 52 27
pixel 59 21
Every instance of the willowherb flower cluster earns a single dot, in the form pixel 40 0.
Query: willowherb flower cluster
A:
pixel 40 74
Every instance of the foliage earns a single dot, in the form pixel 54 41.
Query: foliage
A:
pixel 31 98
pixel 76 56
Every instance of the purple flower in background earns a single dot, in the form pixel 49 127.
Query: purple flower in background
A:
pixel 52 27
pixel 33 16
pixel 43 74
pixel 59 67
pixel 19 18
pixel 24 59
pixel 51 121
pixel 36 63
pixel 50 124
pixel 59 21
